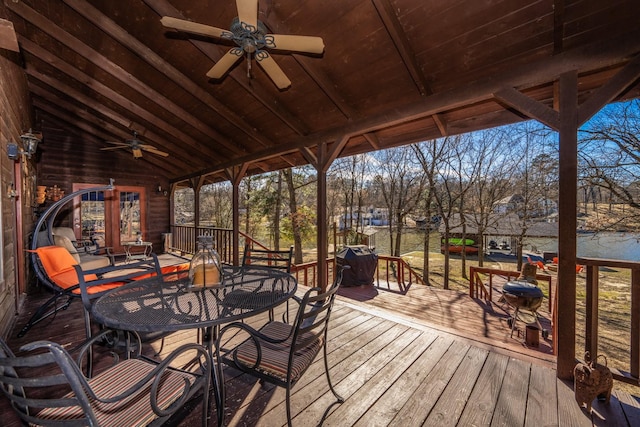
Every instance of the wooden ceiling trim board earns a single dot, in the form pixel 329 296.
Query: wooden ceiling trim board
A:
pixel 90 104
pixel 440 122
pixel 396 32
pixel 531 107
pixel 89 128
pixel 308 154
pixel 105 91
pixel 610 90
pixel 118 33
pixel 119 73
pixel 372 139
pixel 212 51
pixel 334 151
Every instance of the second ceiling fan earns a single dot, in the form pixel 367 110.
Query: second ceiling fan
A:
pixel 252 39
pixel 136 146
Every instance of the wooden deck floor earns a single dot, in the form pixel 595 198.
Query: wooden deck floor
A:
pixel 394 369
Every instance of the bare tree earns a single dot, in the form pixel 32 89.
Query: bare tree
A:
pixel 494 168
pixel 349 178
pixel 535 176
pixel 428 154
pixel 401 183
pixel 610 156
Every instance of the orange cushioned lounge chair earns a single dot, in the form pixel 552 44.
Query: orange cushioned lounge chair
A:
pixel 56 269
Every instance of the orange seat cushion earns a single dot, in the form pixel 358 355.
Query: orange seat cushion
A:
pixel 58 264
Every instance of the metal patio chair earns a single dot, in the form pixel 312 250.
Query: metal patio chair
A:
pixel 46 386
pixel 279 353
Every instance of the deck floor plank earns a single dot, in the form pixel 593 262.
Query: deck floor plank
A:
pixel 453 399
pixel 512 401
pixel 542 407
pixel 358 376
pixel 569 413
pixel 394 398
pixel 387 375
pixel 425 396
pixel 484 397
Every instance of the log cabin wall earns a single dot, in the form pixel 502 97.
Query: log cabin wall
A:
pixel 65 159
pixel 17 178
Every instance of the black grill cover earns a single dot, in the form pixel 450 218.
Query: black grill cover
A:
pixel 363 262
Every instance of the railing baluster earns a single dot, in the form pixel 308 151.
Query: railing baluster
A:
pixel 591 315
pixel 635 323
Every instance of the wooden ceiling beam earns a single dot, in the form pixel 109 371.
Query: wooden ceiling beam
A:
pixel 397 34
pixel 372 139
pixel 105 91
pixel 120 74
pixel 610 90
pixel 91 105
pixel 127 40
pixel 90 128
pixel 212 51
pixel 531 107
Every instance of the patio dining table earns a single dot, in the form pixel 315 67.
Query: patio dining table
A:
pixel 166 304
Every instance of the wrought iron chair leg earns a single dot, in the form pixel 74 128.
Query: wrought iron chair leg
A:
pixel 288 406
pixel 326 370
pixel 41 314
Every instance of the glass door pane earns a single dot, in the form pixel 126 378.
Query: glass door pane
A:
pixel 130 225
pixel 93 217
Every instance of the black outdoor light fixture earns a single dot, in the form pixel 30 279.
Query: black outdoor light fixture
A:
pixel 161 190
pixel 30 141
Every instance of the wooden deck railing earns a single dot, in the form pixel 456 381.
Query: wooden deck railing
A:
pixel 183 239
pixel 479 289
pixel 592 303
pixel 388 269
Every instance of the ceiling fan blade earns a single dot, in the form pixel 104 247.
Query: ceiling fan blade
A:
pixel 248 11
pixel 137 153
pixel 308 44
pixel 153 150
pixel 192 27
pixel 224 64
pixel 119 144
pixel 114 148
pixel 274 71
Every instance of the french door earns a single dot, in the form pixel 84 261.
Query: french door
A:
pixel 110 218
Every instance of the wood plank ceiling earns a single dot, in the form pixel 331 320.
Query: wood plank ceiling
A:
pixel 393 72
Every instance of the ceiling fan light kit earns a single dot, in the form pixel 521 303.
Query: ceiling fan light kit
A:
pixel 252 39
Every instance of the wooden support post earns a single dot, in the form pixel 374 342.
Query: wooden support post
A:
pixel 235 175
pixel 567 223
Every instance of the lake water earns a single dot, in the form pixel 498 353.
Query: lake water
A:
pixel 623 246
pixel 610 245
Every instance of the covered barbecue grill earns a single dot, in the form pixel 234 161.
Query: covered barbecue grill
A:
pixel 363 262
pixel 523 295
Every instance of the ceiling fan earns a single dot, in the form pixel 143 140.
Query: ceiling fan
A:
pixel 252 39
pixel 136 147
